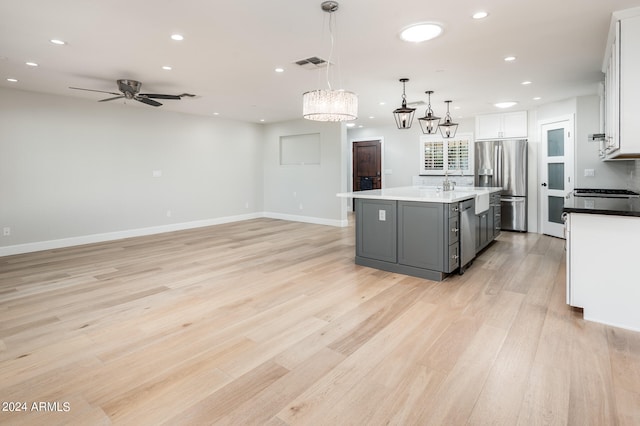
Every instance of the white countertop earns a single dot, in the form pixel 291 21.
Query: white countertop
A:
pixel 428 194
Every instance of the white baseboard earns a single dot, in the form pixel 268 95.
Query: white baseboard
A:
pixel 307 219
pixel 117 235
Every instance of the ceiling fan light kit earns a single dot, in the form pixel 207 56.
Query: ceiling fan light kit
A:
pixel 329 105
pixel 129 89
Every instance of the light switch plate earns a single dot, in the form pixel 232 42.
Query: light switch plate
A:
pixel 589 172
pixel 382 215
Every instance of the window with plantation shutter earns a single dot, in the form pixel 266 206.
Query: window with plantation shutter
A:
pixel 451 156
pixel 433 155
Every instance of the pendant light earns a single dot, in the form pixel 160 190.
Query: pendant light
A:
pixel 404 115
pixel 329 105
pixel 429 123
pixel 448 128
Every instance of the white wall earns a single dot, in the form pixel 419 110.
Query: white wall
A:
pixel 305 192
pixel 401 154
pixel 71 168
pixel 608 174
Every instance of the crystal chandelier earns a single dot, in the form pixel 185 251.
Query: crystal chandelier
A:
pixel 329 105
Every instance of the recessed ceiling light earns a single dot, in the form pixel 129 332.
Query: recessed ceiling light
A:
pixel 279 70
pixel 421 32
pixel 509 58
pixel 382 103
pixel 526 83
pixel 360 126
pixel 13 80
pixel 371 117
pixel 262 120
pixel 456 107
pixel 505 104
pixel 537 98
pixel 351 124
pixel 216 113
pixel 177 37
pixel 31 64
pixel 480 15
pixel 166 68
pixel 57 41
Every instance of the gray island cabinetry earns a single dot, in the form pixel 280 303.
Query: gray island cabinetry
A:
pixel 414 230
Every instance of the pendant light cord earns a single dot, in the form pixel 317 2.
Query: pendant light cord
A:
pixel 331 26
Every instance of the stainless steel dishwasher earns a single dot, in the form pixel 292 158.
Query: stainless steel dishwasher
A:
pixel 467 233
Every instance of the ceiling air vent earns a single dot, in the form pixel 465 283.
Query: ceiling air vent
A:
pixel 416 104
pixel 312 63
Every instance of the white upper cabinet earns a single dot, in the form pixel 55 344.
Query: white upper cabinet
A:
pixel 622 87
pixel 509 125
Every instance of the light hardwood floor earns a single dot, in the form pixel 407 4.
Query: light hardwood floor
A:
pixel 271 322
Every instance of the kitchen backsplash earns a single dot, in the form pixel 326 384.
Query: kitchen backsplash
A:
pixel 437 180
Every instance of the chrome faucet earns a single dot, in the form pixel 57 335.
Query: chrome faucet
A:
pixel 448 185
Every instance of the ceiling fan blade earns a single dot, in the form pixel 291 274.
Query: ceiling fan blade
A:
pixel 92 90
pixel 187 94
pixel 111 99
pixel 158 96
pixel 147 101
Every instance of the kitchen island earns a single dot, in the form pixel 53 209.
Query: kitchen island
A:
pixel 602 259
pixel 421 231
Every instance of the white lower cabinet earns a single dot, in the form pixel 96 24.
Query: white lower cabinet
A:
pixel 602 268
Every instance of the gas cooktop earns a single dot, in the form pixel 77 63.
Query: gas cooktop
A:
pixel 604 193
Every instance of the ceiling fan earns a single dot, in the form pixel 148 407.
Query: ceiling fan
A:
pixel 130 90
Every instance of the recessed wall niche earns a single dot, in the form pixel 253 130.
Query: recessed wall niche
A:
pixel 300 150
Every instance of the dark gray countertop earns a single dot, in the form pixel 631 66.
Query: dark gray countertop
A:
pixel 607 206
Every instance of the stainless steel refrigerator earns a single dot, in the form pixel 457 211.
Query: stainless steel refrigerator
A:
pixel 504 163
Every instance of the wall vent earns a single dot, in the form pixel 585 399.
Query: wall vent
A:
pixel 312 63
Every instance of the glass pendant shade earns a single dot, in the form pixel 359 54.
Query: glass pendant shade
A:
pixel 329 105
pixel 448 128
pixel 429 123
pixel 404 115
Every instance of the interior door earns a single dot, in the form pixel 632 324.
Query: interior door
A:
pixel 367 163
pixel 556 174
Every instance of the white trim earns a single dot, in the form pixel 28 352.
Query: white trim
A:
pixel 306 219
pixel 140 232
pixel 569 162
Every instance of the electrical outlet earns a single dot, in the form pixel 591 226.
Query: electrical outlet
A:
pixel 382 215
pixel 246 205
pixel 589 172
pixel 156 173
pixel 300 206
pixel 6 231
pixel 168 213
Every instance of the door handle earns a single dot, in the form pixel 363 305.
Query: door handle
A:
pixel 544 184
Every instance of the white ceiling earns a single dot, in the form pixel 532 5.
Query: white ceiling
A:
pixel 231 48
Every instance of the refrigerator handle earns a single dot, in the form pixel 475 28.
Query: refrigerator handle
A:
pixel 497 161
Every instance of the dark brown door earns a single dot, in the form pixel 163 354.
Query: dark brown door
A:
pixel 367 160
